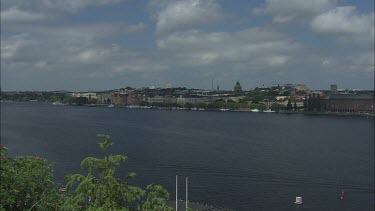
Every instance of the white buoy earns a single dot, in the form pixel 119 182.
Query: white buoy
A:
pixel 298 200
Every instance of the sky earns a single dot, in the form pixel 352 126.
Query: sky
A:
pixel 81 45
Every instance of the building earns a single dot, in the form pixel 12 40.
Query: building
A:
pixel 333 89
pixel 155 99
pixel 191 99
pixel 301 87
pixel 117 98
pixel 88 95
pixel 237 87
pixel 168 86
pixel 104 98
pixel 349 103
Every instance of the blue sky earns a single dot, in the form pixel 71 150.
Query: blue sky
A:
pixel 105 44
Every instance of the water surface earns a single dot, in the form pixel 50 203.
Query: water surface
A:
pixel 242 161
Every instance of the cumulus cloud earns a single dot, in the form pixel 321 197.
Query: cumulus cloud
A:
pixel 214 48
pixel 344 21
pixel 184 14
pixel 347 26
pixel 15 15
pixel 285 11
pixel 49 6
pixel 40 53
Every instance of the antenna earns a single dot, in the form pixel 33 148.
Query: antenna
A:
pixel 212 85
pixel 187 193
pixel 176 194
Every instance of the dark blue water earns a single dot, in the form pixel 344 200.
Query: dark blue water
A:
pixel 242 161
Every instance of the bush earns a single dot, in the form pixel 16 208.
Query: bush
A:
pixel 26 184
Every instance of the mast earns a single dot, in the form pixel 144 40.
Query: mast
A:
pixel 187 193
pixel 176 194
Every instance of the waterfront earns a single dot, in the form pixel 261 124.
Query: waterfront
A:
pixel 243 161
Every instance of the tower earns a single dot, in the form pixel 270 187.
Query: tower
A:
pixel 333 89
pixel 237 87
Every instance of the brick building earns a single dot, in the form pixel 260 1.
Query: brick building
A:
pixel 349 103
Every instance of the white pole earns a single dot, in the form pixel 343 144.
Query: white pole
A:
pixel 186 193
pixel 176 195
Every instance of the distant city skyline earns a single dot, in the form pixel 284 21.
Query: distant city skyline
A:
pixel 107 44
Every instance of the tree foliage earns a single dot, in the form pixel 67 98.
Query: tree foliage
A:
pixel 27 184
pixel 289 105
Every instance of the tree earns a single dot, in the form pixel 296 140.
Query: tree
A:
pixel 277 107
pixel 310 103
pixel 305 108
pixel 26 184
pixel 289 105
pixel 101 190
pixel 256 99
pixel 318 103
pixel 295 106
pixel 314 102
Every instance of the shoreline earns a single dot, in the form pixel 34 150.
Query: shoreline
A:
pixel 244 110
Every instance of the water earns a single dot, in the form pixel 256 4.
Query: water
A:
pixel 242 161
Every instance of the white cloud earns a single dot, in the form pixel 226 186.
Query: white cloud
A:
pixel 344 21
pixel 15 15
pixel 184 14
pixel 49 6
pixel 214 48
pixel 284 11
pixel 91 55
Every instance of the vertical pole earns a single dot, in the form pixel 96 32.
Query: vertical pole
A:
pixel 186 193
pixel 176 194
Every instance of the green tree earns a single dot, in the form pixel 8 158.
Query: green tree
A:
pixel 289 105
pixel 318 103
pixel 26 184
pixel 101 190
pixel 256 99
pixel 277 107
pixel 305 104
pixel 295 106
pixel 310 103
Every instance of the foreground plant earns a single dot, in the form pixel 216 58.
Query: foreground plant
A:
pixel 101 190
pixel 27 184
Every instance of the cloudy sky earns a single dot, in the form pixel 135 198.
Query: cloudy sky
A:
pixel 105 44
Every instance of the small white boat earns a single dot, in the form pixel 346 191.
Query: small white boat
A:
pixel 298 200
pixel 57 103
pixel 111 106
pixel 254 110
pixel 268 111
pixel 224 109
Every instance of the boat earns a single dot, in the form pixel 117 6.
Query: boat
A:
pixel 268 111
pixel 57 103
pixel 111 106
pixel 224 109
pixel 254 110
pixel 298 200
